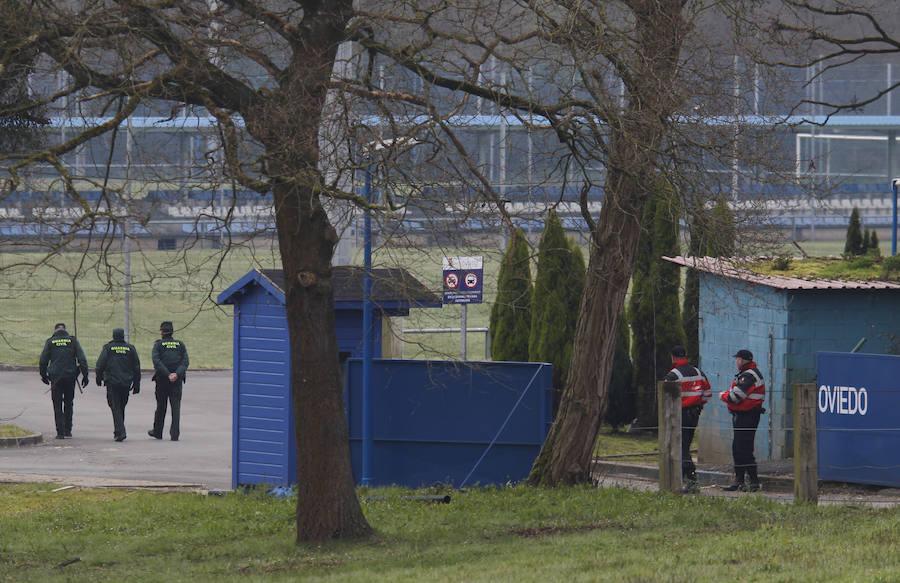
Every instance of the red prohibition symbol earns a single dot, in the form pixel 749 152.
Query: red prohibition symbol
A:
pixel 452 280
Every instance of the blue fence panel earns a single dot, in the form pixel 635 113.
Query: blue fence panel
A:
pixel 450 423
pixel 858 427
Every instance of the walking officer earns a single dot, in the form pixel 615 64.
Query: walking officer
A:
pixel 119 367
pixel 60 362
pixel 745 400
pixel 695 392
pixel 170 363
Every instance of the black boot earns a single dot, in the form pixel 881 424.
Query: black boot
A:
pixel 753 486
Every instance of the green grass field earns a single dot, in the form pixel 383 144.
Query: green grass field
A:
pixel 515 534
pixel 89 298
pixel 88 295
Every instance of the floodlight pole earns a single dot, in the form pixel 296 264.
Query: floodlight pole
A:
pixel 367 401
pixel 894 184
pixel 367 333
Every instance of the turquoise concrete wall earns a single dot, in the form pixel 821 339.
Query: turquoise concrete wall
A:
pixel 835 321
pixel 736 315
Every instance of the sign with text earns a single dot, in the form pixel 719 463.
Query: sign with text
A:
pixel 857 428
pixel 462 279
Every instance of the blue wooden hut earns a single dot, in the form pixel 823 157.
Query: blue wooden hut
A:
pixel 263 448
pixel 784 321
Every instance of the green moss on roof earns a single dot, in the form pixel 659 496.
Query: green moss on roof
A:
pixel 862 268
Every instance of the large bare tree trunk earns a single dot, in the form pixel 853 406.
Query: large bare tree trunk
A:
pixel 288 124
pixel 566 455
pixel 327 505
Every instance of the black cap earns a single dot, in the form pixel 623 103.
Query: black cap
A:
pixel 166 327
pixel 678 351
pixel 745 354
pixel 59 326
pixel 118 334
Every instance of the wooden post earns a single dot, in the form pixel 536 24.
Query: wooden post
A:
pixel 805 454
pixel 669 398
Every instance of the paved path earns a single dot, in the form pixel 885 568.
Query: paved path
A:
pixel 201 458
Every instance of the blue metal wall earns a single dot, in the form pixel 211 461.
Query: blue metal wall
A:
pixel 451 423
pixel 858 426
pixel 348 325
pixel 263 449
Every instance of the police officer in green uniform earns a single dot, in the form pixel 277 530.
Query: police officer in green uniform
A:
pixel 60 362
pixel 120 369
pixel 170 363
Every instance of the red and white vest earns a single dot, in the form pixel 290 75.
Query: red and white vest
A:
pixel 744 396
pixel 695 389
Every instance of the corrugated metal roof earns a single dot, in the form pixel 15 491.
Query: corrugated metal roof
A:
pixel 731 268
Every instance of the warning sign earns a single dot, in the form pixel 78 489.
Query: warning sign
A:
pixel 469 271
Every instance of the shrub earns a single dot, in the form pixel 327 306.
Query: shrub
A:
pixel 853 245
pixel 781 263
pixel 510 323
pixel 891 266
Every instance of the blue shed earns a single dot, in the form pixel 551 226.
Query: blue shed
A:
pixel 784 322
pixel 263 448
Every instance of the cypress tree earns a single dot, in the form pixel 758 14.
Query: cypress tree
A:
pixel 654 307
pixel 557 298
pixel 721 238
pixel 853 242
pixel 511 313
pixel 866 242
pixel 874 244
pixel 712 234
pixel 621 401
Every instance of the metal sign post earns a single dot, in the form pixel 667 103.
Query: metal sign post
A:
pixel 894 184
pixel 463 285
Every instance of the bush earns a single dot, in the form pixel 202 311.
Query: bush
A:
pixel 781 263
pixel 510 323
pixel 862 261
pixel 853 244
pixel 891 266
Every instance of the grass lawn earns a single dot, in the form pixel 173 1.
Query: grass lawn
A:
pixel 14 431
pixel 89 297
pixel 629 447
pixel 509 534
pixel 183 288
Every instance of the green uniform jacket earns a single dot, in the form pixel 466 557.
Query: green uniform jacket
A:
pixel 169 355
pixel 119 365
pixel 62 357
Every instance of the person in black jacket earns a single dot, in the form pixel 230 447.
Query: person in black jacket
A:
pixel 170 363
pixel 59 364
pixel 119 367
pixel 695 392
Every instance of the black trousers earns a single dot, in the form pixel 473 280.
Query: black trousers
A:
pixel 690 417
pixel 167 394
pixel 745 424
pixel 62 392
pixel 117 398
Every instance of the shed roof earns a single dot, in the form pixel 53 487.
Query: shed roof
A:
pixel 731 268
pixel 391 287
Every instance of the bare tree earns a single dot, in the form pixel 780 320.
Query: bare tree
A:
pixel 629 90
pixel 837 35
pixel 263 71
